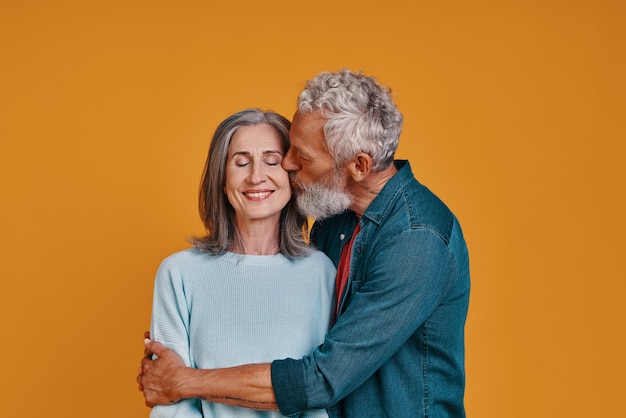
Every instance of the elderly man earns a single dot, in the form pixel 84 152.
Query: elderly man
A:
pixel 397 344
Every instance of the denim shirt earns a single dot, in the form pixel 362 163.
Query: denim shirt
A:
pixel 397 347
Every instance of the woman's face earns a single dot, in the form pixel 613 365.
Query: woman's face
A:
pixel 257 186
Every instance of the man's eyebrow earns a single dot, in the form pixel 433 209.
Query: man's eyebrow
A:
pixel 300 151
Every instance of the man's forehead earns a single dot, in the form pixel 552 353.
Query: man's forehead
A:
pixel 308 127
pixel 314 118
pixel 307 135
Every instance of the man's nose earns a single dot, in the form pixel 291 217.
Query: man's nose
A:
pixel 289 163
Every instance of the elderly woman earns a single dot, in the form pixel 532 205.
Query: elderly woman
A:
pixel 251 290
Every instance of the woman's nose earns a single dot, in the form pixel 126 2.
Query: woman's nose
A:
pixel 256 174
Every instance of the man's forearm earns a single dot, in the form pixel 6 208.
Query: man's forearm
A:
pixel 248 386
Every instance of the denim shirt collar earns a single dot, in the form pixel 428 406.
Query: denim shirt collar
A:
pixel 381 205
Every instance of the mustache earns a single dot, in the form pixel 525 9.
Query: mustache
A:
pixel 295 183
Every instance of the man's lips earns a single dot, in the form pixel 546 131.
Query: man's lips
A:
pixel 295 184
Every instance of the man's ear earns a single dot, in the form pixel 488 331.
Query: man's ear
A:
pixel 360 167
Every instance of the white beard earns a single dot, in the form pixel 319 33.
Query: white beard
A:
pixel 324 199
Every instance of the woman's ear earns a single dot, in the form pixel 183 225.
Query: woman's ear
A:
pixel 360 166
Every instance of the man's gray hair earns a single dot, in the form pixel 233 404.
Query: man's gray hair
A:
pixel 361 116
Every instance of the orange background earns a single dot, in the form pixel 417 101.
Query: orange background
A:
pixel 514 115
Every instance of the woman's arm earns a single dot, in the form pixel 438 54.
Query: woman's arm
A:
pixel 170 325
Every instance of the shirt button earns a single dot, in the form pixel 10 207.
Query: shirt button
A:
pixel 342 236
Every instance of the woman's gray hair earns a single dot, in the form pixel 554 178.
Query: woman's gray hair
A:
pixel 218 215
pixel 361 116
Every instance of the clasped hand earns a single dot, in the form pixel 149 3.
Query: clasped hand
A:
pixel 158 378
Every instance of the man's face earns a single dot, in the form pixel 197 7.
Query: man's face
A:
pixel 319 184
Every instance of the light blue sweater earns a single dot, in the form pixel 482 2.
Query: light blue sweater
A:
pixel 221 311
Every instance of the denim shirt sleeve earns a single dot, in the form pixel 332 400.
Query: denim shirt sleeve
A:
pixel 407 276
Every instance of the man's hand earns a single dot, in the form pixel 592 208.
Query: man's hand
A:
pixel 167 380
pixel 159 378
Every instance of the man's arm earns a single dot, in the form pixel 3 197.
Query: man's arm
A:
pixel 167 380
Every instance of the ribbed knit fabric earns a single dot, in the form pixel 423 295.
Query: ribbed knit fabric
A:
pixel 221 311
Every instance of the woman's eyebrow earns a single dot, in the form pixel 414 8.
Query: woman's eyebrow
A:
pixel 273 152
pixel 246 153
